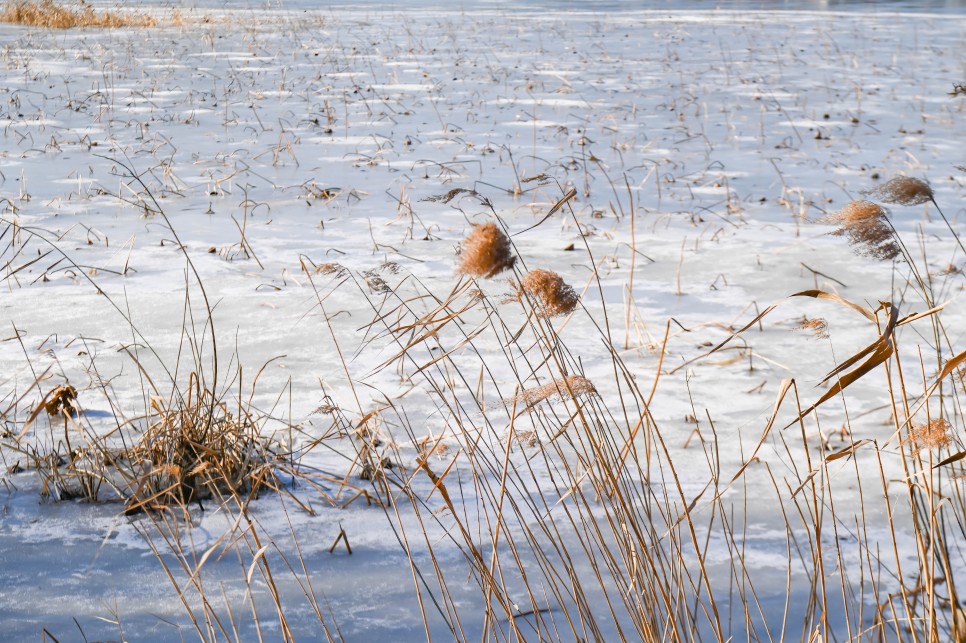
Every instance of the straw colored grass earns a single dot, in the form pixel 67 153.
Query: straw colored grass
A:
pixel 51 15
pixel 601 533
pixel 197 448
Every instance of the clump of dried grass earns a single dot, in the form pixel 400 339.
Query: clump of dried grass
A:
pixel 196 448
pixel 572 386
pixel 902 190
pixel 867 228
pixel 51 15
pixel 549 292
pixel 933 435
pixel 485 252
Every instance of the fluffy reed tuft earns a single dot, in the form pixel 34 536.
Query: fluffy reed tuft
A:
pixel 907 190
pixel 572 386
pixel 902 190
pixel 485 252
pixel 551 294
pixel 933 435
pixel 867 228
pixel 331 268
pixel 818 327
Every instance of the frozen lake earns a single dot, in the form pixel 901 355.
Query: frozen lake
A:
pixel 306 173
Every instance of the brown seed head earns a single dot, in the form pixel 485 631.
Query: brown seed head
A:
pixel 485 252
pixel 868 229
pixel 551 294
pixel 902 190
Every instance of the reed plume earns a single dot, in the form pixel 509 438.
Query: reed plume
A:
pixel 551 295
pixel 867 228
pixel 485 252
pixel 902 190
pixel 933 435
pixel 817 327
pixel 572 386
pixel 908 190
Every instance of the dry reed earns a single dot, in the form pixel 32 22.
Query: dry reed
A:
pixel 624 509
pixel 196 448
pixel 62 399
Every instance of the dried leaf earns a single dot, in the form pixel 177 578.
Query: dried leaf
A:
pixel 956 457
pixel 849 450
pixel 831 296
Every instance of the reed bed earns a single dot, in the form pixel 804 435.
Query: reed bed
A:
pixel 52 15
pixel 620 543
pixel 573 513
